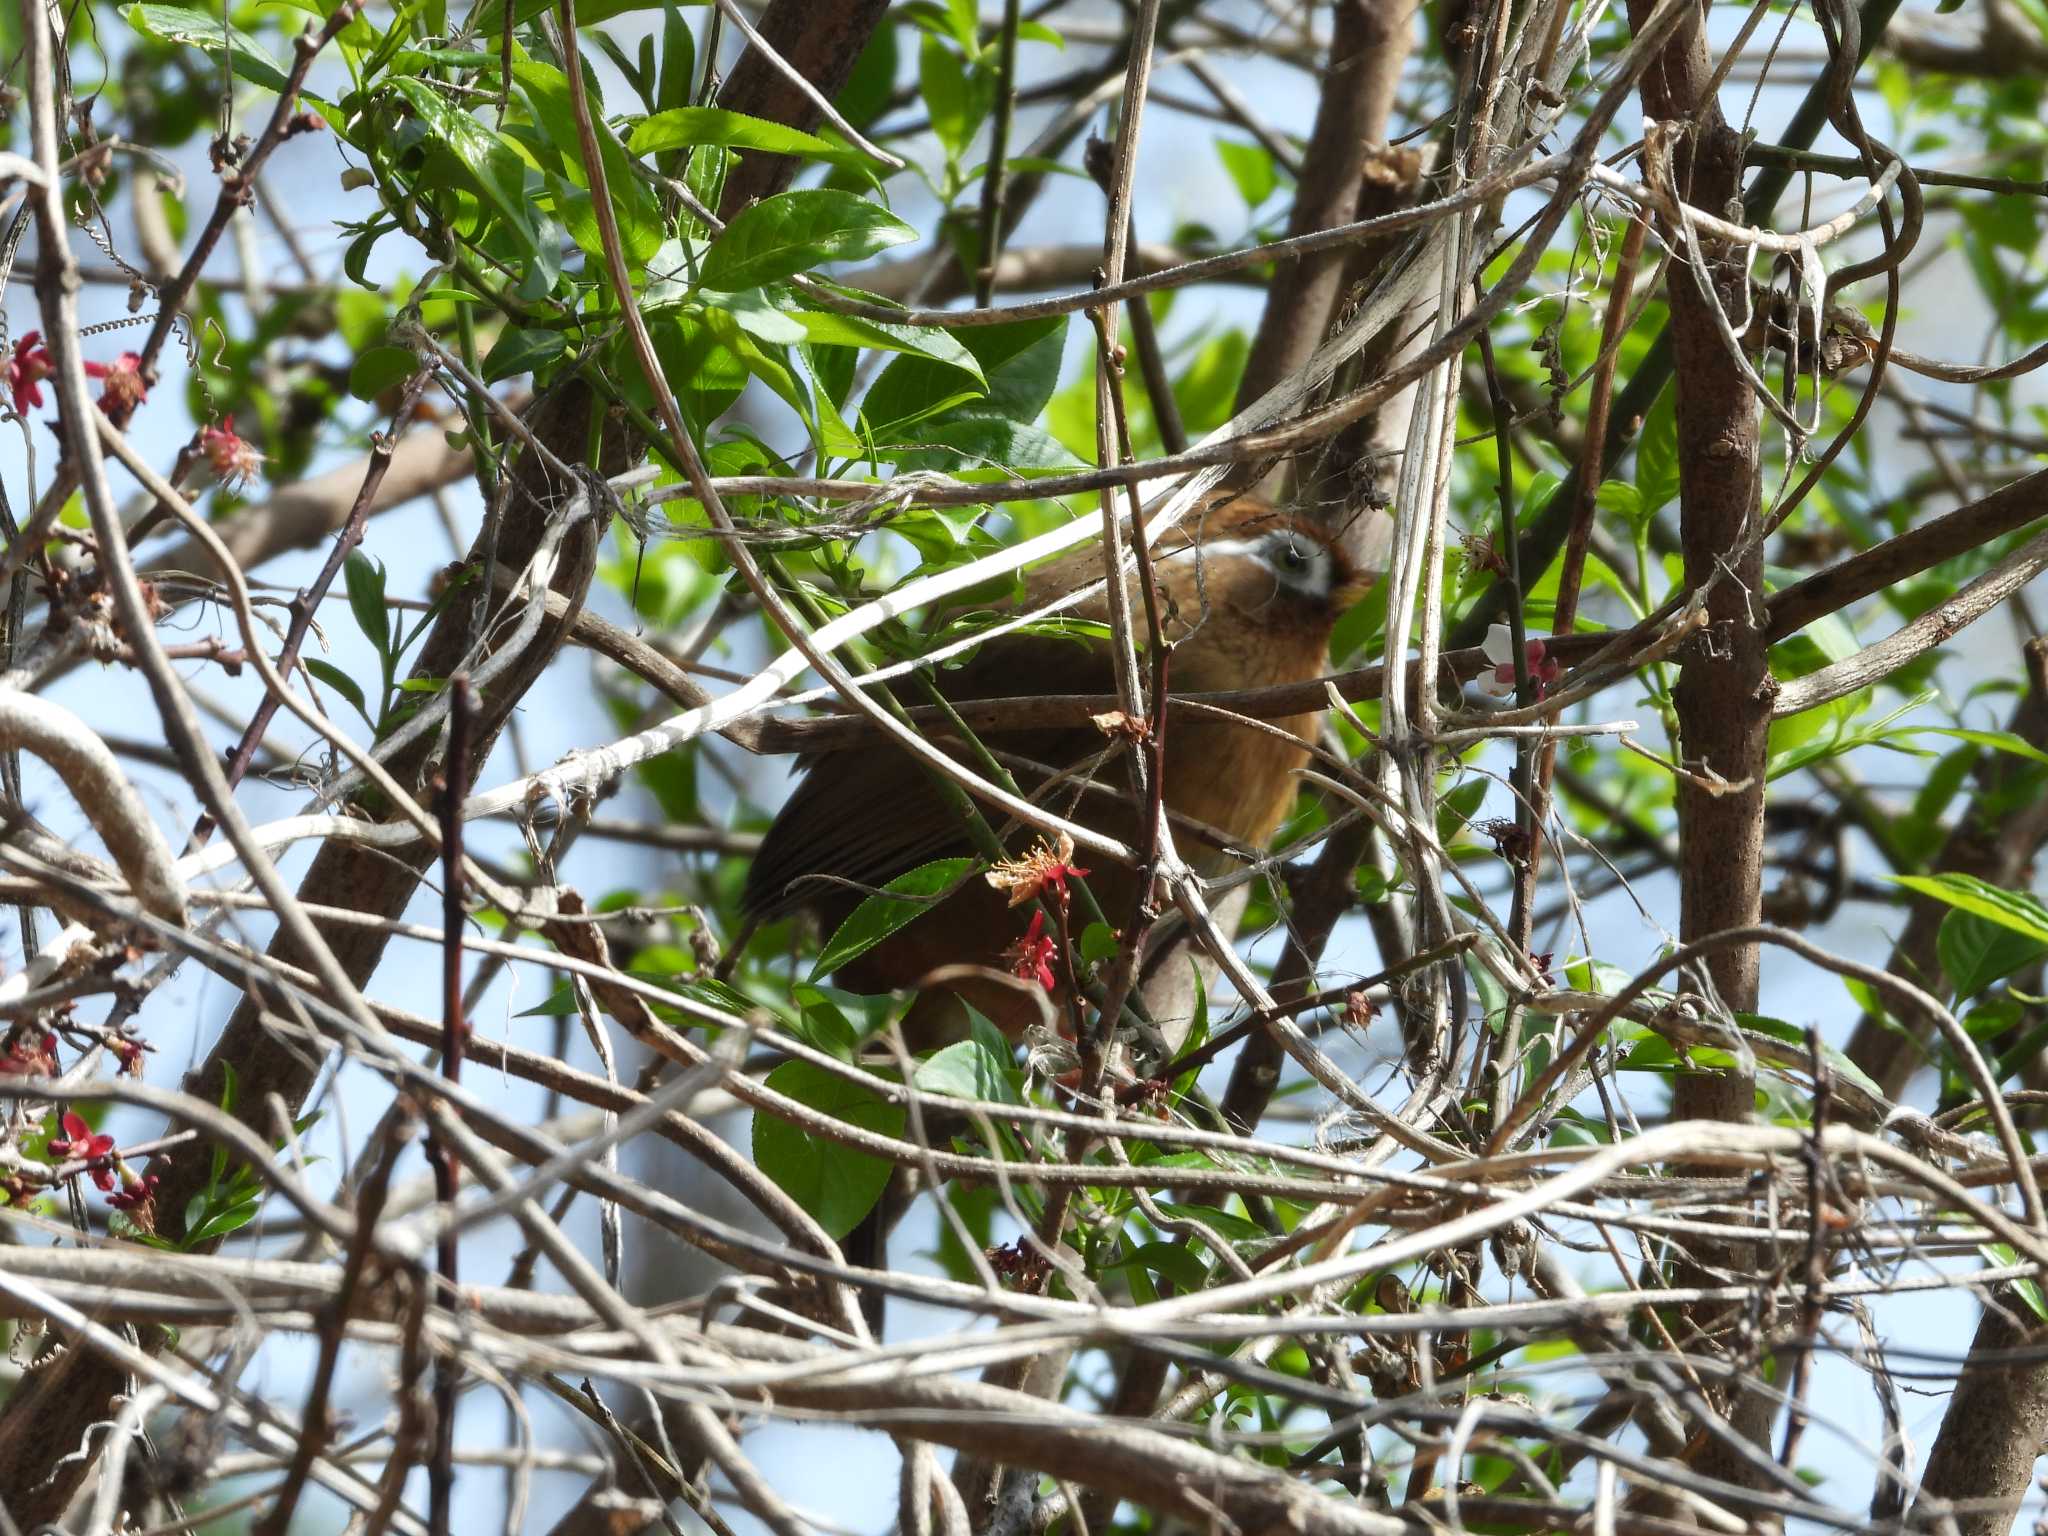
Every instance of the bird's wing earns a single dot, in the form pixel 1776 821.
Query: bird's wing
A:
pixel 864 815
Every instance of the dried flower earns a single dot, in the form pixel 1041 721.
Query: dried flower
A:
pixel 1031 956
pixel 1544 668
pixel 234 459
pixel 122 386
pixel 79 1142
pixel 1019 1262
pixel 1510 841
pixel 1043 868
pixel 27 366
pixel 1115 722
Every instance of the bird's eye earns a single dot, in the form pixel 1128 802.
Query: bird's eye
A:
pixel 1294 557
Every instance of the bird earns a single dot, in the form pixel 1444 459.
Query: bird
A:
pixel 1250 594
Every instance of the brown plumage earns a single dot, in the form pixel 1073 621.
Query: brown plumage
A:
pixel 1251 595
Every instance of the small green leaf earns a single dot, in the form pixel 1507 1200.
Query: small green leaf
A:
pixel 341 683
pixel 1975 952
pixel 824 329
pixel 1657 455
pixel 904 900
pixel 794 231
pixel 2004 1256
pixel 950 95
pixel 678 59
pixel 2008 909
pixel 687 127
pixel 487 162
pixel 1251 168
pixel 1098 943
pixel 836 1184
pixel 966 1069
pixel 1998 741
pixel 379 369
pixel 196 29
pixel 365 578
pixel 522 351
pixel 981 442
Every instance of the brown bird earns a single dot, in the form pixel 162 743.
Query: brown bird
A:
pixel 1250 595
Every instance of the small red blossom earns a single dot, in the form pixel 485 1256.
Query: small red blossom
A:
pixel 1031 956
pixel 31 1053
pixel 137 1190
pixel 27 366
pixel 79 1142
pixel 234 459
pixel 128 1052
pixel 122 387
pixel 1359 1011
pixel 1044 868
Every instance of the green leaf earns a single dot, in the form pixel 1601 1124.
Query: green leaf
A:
pixel 1998 741
pixel 982 442
pixel 950 95
pixel 966 1069
pixel 522 351
pixel 1657 455
pixel 1019 365
pixel 1098 943
pixel 902 902
pixel 1975 952
pixel 379 369
pixel 1251 168
pixel 2008 909
pixel 761 320
pixel 678 59
pixel 487 162
pixel 2004 1256
pixel 836 1184
pixel 342 684
pixel 196 29
pixel 686 127
pixel 825 329
pixel 1171 1261
pixel 633 202
pixel 794 231
pixel 1792 1034
pixel 365 578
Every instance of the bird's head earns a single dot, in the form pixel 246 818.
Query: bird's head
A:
pixel 1246 561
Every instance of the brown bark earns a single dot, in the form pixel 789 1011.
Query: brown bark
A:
pixel 823 42
pixel 1992 1431
pixel 1723 694
pixel 46 1420
pixel 1367 49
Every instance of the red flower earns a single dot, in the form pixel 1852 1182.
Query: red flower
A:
pixel 1031 956
pixel 128 1052
pixel 1544 668
pixel 137 1190
pixel 122 386
pixel 27 366
pixel 234 459
pixel 78 1141
pixel 31 1053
